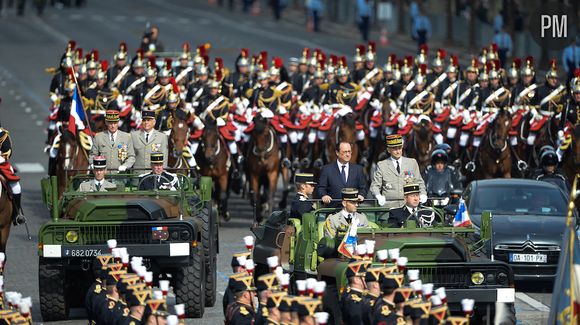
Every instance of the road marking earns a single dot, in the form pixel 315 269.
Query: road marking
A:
pixel 29 168
pixel 140 18
pixel 532 302
pixel 119 18
pixel 28 110
pixel 39 123
pixel 23 104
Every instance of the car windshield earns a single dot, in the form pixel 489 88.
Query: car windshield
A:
pixel 519 200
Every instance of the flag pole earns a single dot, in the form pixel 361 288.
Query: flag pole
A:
pixel 78 89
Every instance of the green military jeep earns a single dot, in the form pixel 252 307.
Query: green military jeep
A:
pixel 446 256
pixel 175 231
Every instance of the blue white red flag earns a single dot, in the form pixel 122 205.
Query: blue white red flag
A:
pixel 461 218
pixel 77 114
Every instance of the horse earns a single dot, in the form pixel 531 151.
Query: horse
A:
pixel 571 159
pixel 6 210
pixel 70 158
pixel 343 129
pixel 214 161
pixel 546 135
pixel 494 158
pixel 420 143
pixel 263 168
pixel 178 138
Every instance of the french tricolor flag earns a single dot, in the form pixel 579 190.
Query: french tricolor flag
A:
pixel 77 114
pixel 461 218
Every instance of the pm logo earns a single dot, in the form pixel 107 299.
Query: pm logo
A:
pixel 553 26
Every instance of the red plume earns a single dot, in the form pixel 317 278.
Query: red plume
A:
pixel 322 64
pixel 333 60
pixel 441 53
pixel 71 73
pixel 577 73
pixel 488 66
pixel 372 46
pixel 79 52
pixel 219 63
pixel 140 53
pixel 168 63
pixel 174 84
pixel 423 69
pixel 494 47
pixel 455 60
pixel 392 58
pixel 264 62
pixel 474 63
pixel 306 53
pixel 95 55
pixel 517 63
pixel 264 55
pixel 553 63
pixel 104 65
pixel 424 48
pixel 218 75
pixel 152 62
pixel 530 60
pixel 205 60
pixel 278 63
pixel 321 57
pixel 343 61
pixel 245 53
pixel 202 50
pixel 72 44
pixel 408 60
pixel 123 47
pixel 401 63
pixel 361 49
pixel 87 57
pixel 186 48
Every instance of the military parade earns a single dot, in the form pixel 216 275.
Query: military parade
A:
pixel 219 166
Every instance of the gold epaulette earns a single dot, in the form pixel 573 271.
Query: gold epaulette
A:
pixel 249 92
pixel 324 86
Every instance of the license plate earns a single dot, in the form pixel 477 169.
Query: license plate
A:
pixel 81 252
pixel 529 258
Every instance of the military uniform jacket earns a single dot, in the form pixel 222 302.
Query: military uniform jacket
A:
pixel 228 299
pixel 157 143
pixel 91 186
pixel 261 316
pixel 383 312
pixel 351 306
pixel 95 290
pixel 557 98
pixel 239 314
pixel 111 311
pixel 165 181
pixel 337 222
pixel 129 320
pixel 367 309
pixel 398 216
pixel 119 153
pixel 300 205
pixel 387 182
pixel 343 93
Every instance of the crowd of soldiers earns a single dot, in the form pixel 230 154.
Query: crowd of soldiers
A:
pixel 380 290
pixel 124 292
pixel 303 97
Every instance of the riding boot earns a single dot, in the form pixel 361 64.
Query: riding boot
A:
pixel 294 153
pixel 17 214
pixel 364 155
pixel 236 181
pixel 285 161
pixel 51 166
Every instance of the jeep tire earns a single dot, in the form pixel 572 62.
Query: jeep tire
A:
pixel 52 292
pixel 209 237
pixel 189 285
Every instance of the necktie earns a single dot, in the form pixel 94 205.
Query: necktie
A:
pixel 112 139
pixel 98 186
pixel 398 167
pixel 349 218
pixel 147 137
pixel 413 211
pixel 343 173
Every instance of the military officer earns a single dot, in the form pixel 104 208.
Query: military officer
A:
pixel 147 141
pixel 385 305
pixel 351 301
pixel 7 171
pixel 241 311
pixel 301 204
pixel 411 209
pixel 372 293
pixel 155 312
pixel 341 220
pixel 116 146
pixel 99 183
pixel 97 290
pixel 307 309
pixel 274 301
pixel 158 178
pixel 136 300
pixel 264 285
pixel 393 173
pixel 112 309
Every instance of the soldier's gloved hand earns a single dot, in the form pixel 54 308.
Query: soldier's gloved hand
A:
pixel 423 198
pixel 381 200
pixel 122 168
pixel 326 199
pixel 2 159
pixel 91 167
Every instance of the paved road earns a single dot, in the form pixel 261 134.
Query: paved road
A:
pixel 31 44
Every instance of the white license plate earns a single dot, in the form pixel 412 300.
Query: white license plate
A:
pixel 529 258
pixel 74 252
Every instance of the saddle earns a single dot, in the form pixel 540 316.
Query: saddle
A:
pixel 4 184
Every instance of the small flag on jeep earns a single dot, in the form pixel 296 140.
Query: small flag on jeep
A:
pixel 461 218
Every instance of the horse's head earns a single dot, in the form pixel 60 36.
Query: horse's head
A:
pixel 348 120
pixel 423 137
pixel 210 143
pixel 260 124
pixel 68 149
pixel 263 137
pixel 500 128
pixel 179 132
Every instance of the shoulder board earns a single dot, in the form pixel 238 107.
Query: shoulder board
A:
pixel 302 198
pixel 265 312
pixel 324 86
pixel 244 311
pixel 355 297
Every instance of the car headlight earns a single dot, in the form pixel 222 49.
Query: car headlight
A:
pixel 72 236
pixel 477 278
pixel 502 278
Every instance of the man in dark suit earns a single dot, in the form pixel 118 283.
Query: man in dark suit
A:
pixel 340 174
pixel 398 216
pixel 304 187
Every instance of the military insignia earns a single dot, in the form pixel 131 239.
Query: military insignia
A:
pixel 389 269
pixel 302 198
pixel 457 320
pixel 268 279
pixel 104 259
pixel 425 308
pixel 405 291
pixel 132 323
pixel 156 147
pixel 126 312
pixel 355 297
pixel 278 296
pixel 439 313
pixel 244 311
pixel 401 321
pixel 112 304
pixel 115 266
pixel 265 312
pixel 154 305
pixel 98 288
pixel 117 274
pixel 385 310
pixel 137 287
pixel 142 296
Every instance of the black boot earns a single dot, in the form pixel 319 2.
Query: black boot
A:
pixel 285 161
pixel 17 215
pixel 294 153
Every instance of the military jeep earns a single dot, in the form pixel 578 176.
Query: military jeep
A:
pixel 446 256
pixel 175 231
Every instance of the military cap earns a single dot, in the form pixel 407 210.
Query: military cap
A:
pixel 455 320
pixel 157 157
pixel 304 178
pixel 8 315
pixel 308 307
pixel 287 304
pixel 266 282
pixel 112 115
pixel 439 313
pixel 390 281
pixel 137 298
pixel 349 194
pixel 130 278
pixel 373 274
pixel 356 268
pixel 113 277
pixel 243 283
pixel 156 307
pixel 411 188
pixel 235 258
pixel 419 309
pixel 394 141
pixel 275 299
pixel 148 114
pixel 100 162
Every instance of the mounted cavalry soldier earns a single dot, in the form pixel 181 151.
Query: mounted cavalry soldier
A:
pixel 239 81
pixel 116 146
pixel 147 141
pixel 7 171
pixel 135 77
pixel 99 183
pixel 117 73
pixel 184 73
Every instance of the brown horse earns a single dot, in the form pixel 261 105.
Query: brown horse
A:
pixel 263 167
pixel 71 158
pixel 178 137
pixel 214 161
pixel 420 143
pixel 571 159
pixel 546 135
pixel 494 158
pixel 6 210
pixel 343 129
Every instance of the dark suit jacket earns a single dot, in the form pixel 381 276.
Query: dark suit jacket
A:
pixel 331 183
pixel 398 216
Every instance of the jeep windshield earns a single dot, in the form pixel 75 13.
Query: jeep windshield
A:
pixel 128 183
